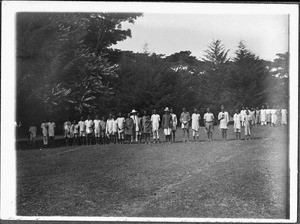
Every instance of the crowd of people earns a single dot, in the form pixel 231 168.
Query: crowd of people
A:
pixel 135 128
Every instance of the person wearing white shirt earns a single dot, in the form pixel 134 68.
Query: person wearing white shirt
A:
pixel 223 117
pixel 67 131
pixel 273 116
pixel 243 115
pixel 89 130
pixel 135 119
pixel 82 130
pixel 97 129
pixel 237 124
pixel 121 126
pixel 110 128
pixel 155 119
pixel 174 122
pixel 247 123
pixel 74 128
pixel 44 127
pixel 263 116
pixel 284 116
pixel 196 125
pixel 268 115
pixel 209 123
pixel 51 131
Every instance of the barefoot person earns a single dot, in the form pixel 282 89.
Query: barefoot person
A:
pixel 89 124
pixel 174 121
pixel 196 125
pixel 146 127
pixel 167 124
pixel 44 127
pixel 237 119
pixel 129 129
pixel 32 136
pixel 247 122
pixel 223 118
pixel 82 130
pixel 97 129
pixel 185 120
pixel 67 131
pixel 208 122
pixel 51 132
pixel 135 119
pixel 121 126
pixel 155 119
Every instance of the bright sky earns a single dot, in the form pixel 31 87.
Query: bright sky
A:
pixel 265 35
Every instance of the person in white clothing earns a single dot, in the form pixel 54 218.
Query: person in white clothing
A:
pixel 97 129
pixel 223 117
pixel 109 128
pixel 82 130
pixel 89 130
pixel 268 115
pixel 67 131
pixel 263 116
pixel 237 124
pixel 284 116
pixel 44 127
pixel 196 125
pixel 121 127
pixel 155 119
pixel 243 115
pixel 51 132
pixel 75 130
pixel 209 123
pixel 174 122
pixel 135 119
pixel 248 125
pixel 273 116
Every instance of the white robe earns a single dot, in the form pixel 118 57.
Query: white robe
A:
pixel 155 119
pixel 195 121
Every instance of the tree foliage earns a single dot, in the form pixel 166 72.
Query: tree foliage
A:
pixel 66 67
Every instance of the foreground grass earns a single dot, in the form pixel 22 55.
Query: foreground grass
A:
pixel 233 179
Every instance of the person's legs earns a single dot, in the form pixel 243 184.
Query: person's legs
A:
pixel 188 134
pixel 173 134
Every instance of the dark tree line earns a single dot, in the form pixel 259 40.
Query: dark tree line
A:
pixel 67 68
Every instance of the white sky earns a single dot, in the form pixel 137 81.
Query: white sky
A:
pixel 265 35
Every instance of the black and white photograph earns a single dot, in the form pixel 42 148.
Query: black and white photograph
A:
pixel 169 112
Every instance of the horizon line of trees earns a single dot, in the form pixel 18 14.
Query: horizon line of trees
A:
pixel 67 68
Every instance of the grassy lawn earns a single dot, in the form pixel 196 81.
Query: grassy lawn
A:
pixel 233 179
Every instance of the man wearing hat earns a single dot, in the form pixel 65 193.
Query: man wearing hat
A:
pixel 155 119
pixel 167 124
pixel 135 119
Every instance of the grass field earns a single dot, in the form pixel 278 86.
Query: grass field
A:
pixel 233 179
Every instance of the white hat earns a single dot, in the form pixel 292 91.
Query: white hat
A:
pixel 133 111
pixel 167 109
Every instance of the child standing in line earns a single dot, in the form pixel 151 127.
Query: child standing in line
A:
pixel 89 130
pixel 146 127
pixel 167 124
pixel 110 128
pixel 121 126
pixel 129 129
pixel 67 127
pixel 155 119
pixel 97 129
pixel 81 125
pixel 196 125
pixel 247 122
pixel 51 132
pixel 237 124
pixel 174 121
pixel 32 136
pixel 102 130
pixel 44 127
pixel 76 132
pixel 185 119
pixel 223 117
pixel 209 123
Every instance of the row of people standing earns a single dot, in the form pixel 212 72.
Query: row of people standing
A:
pixel 133 128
